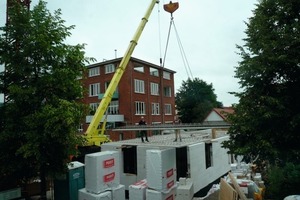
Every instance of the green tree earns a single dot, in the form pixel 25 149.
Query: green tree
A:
pixel 42 108
pixel 194 100
pixel 266 120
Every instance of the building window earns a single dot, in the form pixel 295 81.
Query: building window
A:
pixel 139 68
pixel 113 108
pixel 167 92
pixel 139 86
pixel 208 155
pixel 140 108
pixel 94 106
pixel 106 84
pixel 168 109
pixel 167 75
pixel 110 68
pixel 94 89
pixel 154 88
pixel 80 128
pixel 94 71
pixel 153 71
pixel 155 108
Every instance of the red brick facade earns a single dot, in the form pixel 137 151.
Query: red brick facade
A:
pixel 147 74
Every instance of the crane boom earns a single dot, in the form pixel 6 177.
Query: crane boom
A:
pixel 92 135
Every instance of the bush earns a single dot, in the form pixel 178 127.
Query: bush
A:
pixel 283 181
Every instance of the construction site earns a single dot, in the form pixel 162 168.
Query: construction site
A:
pixel 182 162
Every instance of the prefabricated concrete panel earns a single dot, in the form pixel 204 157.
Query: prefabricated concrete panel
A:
pixel 196 160
pixel 102 171
pixel 161 169
pixel 221 162
pixel 83 194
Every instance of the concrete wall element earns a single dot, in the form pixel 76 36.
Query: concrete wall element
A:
pixel 201 175
pixel 196 160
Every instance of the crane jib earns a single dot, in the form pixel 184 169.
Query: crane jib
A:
pixel 100 112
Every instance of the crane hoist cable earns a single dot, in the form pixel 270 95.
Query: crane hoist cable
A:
pixel 171 7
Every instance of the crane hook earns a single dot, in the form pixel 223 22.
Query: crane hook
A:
pixel 171 7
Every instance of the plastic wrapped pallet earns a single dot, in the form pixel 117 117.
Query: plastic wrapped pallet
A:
pixel 118 193
pixel 83 194
pixel 137 191
pixel 161 169
pixel 102 171
pixel 161 195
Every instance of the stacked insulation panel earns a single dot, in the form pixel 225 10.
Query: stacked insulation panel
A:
pixel 161 174
pixel 102 177
pixel 137 191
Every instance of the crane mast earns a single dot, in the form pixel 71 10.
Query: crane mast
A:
pixel 92 136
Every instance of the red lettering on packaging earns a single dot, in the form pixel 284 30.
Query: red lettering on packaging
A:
pixel 108 163
pixel 170 184
pixel 109 177
pixel 170 173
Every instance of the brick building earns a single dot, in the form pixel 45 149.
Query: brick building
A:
pixel 145 89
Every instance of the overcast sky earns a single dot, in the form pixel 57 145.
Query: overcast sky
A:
pixel 209 31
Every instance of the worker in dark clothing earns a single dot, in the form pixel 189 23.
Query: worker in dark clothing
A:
pixel 143 133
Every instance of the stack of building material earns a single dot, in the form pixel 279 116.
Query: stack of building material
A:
pixel 137 191
pixel 161 174
pixel 185 189
pixel 102 177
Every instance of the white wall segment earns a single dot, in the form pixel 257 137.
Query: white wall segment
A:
pixel 161 169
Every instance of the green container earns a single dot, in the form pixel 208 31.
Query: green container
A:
pixel 66 186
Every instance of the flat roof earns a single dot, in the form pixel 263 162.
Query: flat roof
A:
pixel 167 140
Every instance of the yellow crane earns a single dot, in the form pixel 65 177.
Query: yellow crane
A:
pixel 92 135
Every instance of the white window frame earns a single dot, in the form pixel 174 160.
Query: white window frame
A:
pixel 155 109
pixel 94 106
pixel 113 108
pixel 139 68
pixel 109 68
pixel 167 75
pixel 139 86
pixel 140 108
pixel 168 91
pixel 154 88
pixel 94 89
pixel 154 71
pixel 95 71
pixel 168 109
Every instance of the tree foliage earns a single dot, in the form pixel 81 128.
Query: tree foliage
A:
pixel 266 122
pixel 42 109
pixel 194 100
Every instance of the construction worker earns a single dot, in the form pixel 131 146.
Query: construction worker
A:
pixel 177 131
pixel 143 133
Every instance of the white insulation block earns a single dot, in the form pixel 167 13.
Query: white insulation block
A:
pixel 185 191
pixel 137 191
pixel 161 169
pixel 118 193
pixel 83 194
pixel 102 171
